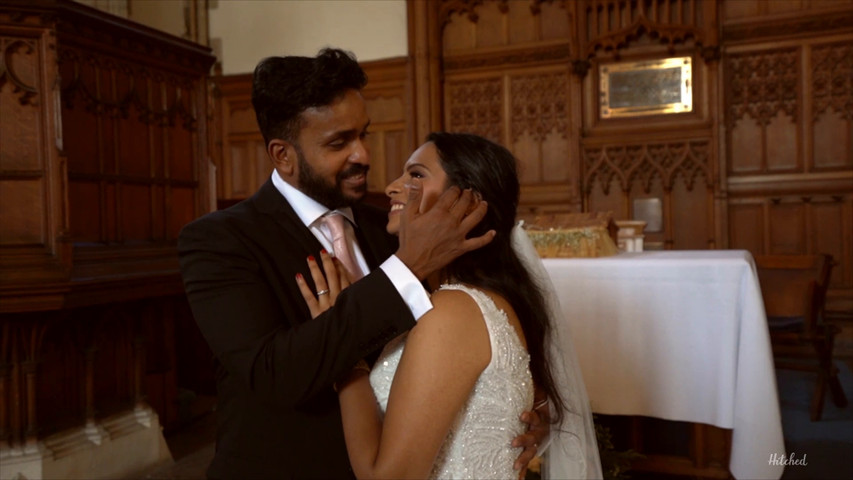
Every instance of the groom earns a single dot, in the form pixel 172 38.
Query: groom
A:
pixel 278 415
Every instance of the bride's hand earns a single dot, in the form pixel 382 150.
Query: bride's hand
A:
pixel 328 286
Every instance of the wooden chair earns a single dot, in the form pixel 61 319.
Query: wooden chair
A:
pixel 794 291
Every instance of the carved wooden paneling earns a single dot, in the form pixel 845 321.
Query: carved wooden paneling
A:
pixel 789 136
pixel 613 25
pixel 476 106
pixel 32 245
pixel 103 160
pixel 484 25
pixel 763 111
pixel 67 368
pixel 391 138
pixel 527 111
pixel 133 142
pixel 672 158
pixel 241 157
pixel 715 169
pixel 745 9
pixel 508 77
pixel 685 160
pixel 832 106
pixel 680 173
pixel 539 125
pixel 798 224
pixel 746 224
pixel 108 127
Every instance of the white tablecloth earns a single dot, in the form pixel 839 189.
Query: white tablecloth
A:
pixel 677 335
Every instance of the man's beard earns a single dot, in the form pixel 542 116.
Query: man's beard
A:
pixel 317 188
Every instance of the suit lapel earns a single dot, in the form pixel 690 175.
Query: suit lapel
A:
pixel 269 201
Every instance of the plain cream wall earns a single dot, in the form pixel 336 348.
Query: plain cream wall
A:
pixel 242 32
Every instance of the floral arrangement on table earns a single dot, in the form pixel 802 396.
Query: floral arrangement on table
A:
pixel 589 234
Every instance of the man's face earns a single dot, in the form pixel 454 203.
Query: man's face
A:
pixel 333 156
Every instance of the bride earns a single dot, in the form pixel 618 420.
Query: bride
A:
pixel 451 391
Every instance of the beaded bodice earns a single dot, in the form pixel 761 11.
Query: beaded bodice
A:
pixel 479 442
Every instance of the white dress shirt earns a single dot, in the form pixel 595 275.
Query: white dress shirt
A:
pixel 311 213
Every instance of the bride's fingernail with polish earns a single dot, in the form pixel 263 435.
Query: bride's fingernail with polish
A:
pixel 310 258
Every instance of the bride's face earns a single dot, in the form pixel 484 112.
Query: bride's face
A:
pixel 425 166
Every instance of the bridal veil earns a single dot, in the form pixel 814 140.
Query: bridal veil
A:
pixel 572 451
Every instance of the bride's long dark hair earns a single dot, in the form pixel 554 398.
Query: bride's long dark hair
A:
pixel 489 169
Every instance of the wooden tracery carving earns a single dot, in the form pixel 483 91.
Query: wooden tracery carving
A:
pixel 476 106
pixel 832 79
pixel 539 105
pixel 613 24
pixel 468 8
pixel 9 49
pixel 763 84
pixel 643 163
pixel 464 7
pixel 142 92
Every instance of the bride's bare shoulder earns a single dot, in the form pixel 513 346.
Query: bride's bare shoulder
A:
pixel 455 309
pixel 456 324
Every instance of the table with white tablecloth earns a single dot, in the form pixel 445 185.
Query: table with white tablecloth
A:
pixel 677 335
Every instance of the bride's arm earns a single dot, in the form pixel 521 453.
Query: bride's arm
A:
pixel 443 358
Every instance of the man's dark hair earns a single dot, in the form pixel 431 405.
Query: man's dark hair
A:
pixel 283 87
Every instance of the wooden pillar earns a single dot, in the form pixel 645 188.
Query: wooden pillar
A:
pixel 16 423
pixel 425 53
pixel 5 391
pixel 30 369
pixel 138 370
pixel 89 384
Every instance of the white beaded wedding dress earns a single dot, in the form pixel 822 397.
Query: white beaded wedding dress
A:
pixel 478 445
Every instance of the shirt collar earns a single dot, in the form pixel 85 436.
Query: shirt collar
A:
pixel 307 209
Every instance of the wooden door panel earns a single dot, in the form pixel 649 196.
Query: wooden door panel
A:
pixel 787 228
pixel 747 225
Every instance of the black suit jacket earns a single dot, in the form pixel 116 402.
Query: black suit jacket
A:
pixel 278 416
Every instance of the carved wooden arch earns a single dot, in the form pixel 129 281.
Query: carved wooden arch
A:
pixel 8 49
pixel 668 33
pixel 463 7
pixel 468 8
pixel 666 161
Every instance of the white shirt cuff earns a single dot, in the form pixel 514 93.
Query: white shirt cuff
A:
pixel 408 285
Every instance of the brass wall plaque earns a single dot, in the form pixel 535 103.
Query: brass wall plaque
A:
pixel 650 87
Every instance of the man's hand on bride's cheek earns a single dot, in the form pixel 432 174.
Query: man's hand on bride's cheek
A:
pixel 329 286
pixel 431 239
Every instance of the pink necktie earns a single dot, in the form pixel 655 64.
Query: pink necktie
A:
pixel 335 222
